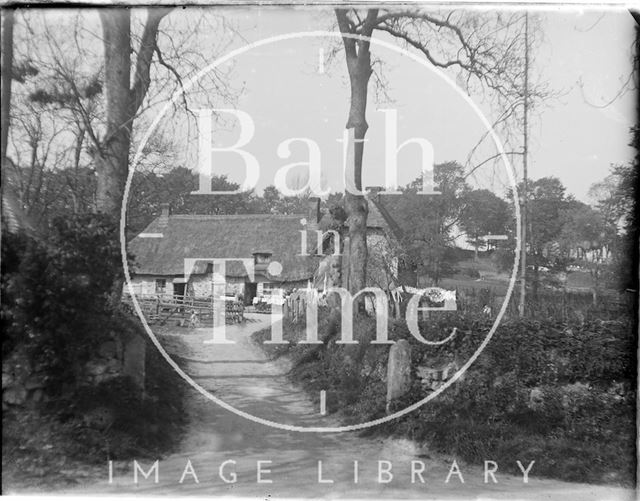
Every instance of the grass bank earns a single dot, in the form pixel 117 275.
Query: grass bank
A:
pixel 558 393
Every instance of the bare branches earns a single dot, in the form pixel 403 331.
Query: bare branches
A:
pixel 356 49
pixel 173 71
pixel 417 45
pixel 485 48
pixel 624 88
pixel 145 53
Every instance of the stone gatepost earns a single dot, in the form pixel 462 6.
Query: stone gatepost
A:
pixel 398 371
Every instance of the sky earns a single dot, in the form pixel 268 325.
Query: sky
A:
pixel 584 58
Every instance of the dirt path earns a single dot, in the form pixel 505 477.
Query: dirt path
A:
pixel 241 375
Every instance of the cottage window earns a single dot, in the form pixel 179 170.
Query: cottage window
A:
pixel 161 285
pixel 328 244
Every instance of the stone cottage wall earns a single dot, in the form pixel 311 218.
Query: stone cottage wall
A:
pixel 202 286
pixel 146 284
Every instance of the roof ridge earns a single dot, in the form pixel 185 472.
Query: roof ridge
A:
pixel 235 216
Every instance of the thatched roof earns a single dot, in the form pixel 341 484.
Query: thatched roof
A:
pixel 231 236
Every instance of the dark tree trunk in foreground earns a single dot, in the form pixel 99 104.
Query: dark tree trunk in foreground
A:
pixel 7 73
pixel 111 154
pixel 112 160
pixel 122 101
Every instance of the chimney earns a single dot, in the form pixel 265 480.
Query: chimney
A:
pixel 373 192
pixel 313 213
pixel 164 215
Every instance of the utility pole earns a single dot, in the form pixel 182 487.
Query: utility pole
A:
pixel 525 152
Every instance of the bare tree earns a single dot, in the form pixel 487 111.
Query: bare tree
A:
pixel 102 73
pixel 359 66
pixel 485 49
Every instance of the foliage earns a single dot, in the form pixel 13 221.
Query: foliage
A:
pixel 60 299
pixel 427 222
pixel 57 294
pixel 616 200
pixel 582 428
pixel 272 202
pixel 585 377
pixel 150 190
pixel 140 427
pixel 547 202
pixel 64 443
pixel 484 213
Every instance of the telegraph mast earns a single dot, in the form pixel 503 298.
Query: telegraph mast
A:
pixel 525 152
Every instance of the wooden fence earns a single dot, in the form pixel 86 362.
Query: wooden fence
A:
pixel 160 308
pixel 295 307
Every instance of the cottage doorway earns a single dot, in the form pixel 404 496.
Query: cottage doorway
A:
pixel 178 289
pixel 250 291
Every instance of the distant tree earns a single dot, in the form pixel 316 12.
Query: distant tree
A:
pixel 149 190
pixel 483 213
pixel 584 232
pixel 613 196
pixel 615 199
pixel 546 206
pixel 271 200
pixel 428 223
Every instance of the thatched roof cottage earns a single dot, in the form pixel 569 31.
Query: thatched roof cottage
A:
pixel 161 249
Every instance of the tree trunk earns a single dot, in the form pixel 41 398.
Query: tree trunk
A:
pixel 112 158
pixel 356 207
pixel 123 98
pixel 7 74
pixel 359 68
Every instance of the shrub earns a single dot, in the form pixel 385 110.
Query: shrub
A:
pixel 472 272
pixel 57 294
pixel 110 420
pixel 60 299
